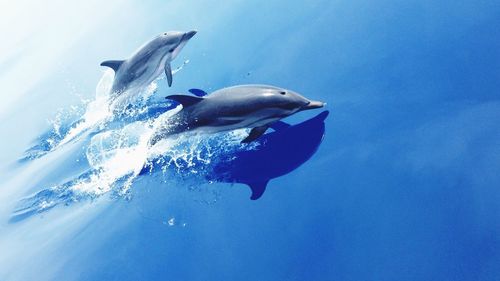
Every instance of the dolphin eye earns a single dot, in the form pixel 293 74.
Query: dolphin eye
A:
pixel 283 93
pixel 165 33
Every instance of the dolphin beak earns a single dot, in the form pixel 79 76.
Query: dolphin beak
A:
pixel 188 35
pixel 184 39
pixel 313 105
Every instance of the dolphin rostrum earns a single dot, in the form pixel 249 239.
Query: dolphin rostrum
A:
pixel 148 62
pixel 244 106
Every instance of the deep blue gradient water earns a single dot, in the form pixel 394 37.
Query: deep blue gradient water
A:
pixel 396 179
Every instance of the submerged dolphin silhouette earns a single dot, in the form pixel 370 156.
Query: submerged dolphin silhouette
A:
pixel 148 62
pixel 244 106
pixel 277 154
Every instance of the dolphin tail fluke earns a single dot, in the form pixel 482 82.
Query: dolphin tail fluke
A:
pixel 255 133
pixel 258 189
pixel 168 72
pixel 113 64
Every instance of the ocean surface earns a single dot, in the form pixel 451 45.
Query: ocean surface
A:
pixel 396 178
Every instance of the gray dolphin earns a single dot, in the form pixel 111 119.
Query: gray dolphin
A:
pixel 244 106
pixel 148 62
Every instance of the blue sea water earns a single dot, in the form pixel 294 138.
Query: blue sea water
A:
pixel 397 178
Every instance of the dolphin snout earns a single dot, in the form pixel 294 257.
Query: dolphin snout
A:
pixel 313 105
pixel 188 35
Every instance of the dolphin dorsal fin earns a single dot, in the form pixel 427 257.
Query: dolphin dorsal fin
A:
pixel 113 64
pixel 258 189
pixel 198 92
pixel 185 100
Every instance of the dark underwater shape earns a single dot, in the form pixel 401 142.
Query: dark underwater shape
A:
pixel 198 92
pixel 278 154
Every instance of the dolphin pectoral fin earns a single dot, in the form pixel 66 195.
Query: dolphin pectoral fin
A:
pixel 168 72
pixel 185 100
pixel 255 133
pixel 198 92
pixel 279 125
pixel 113 64
pixel 258 189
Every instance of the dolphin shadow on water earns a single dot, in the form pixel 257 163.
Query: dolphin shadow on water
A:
pixel 279 153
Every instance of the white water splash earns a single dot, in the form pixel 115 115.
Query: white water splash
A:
pixel 97 111
pixel 117 157
pixel 120 152
pixel 120 155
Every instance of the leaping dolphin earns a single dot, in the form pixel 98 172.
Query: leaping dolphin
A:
pixel 148 62
pixel 244 106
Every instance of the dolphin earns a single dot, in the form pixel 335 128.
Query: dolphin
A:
pixel 148 62
pixel 243 106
